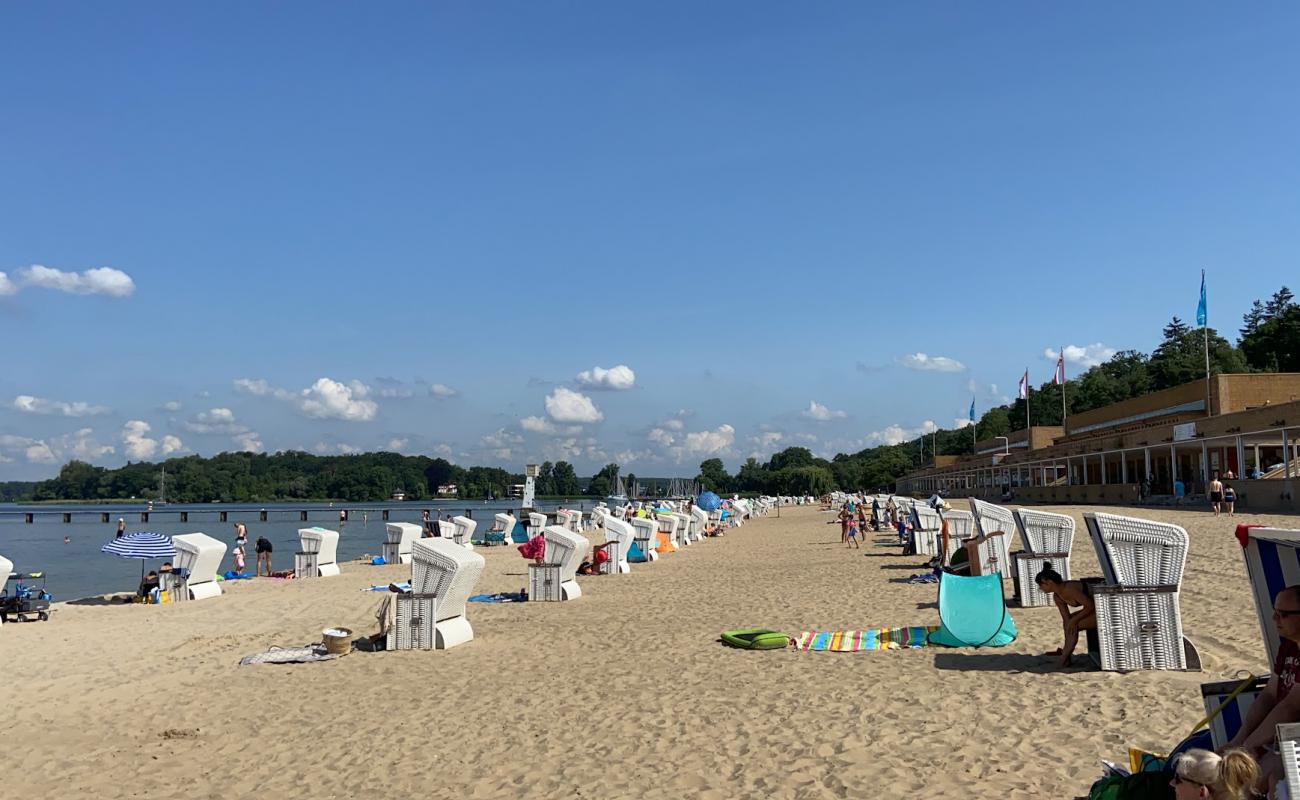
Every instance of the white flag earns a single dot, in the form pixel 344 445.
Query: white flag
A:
pixel 1024 386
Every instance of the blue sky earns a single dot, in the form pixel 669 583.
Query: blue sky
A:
pixel 275 226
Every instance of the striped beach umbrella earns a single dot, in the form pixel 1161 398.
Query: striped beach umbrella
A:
pixel 141 545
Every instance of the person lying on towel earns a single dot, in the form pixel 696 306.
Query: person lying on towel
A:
pixel 1069 594
pixel 1278 703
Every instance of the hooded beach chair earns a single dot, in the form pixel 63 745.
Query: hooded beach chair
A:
pixel 397 544
pixel 1272 558
pixel 323 544
pixel 699 521
pixel 6 567
pixel 683 526
pixel 463 534
pixel 570 519
pixel 995 553
pixel 198 557
pixel 536 524
pixel 565 549
pixel 1139 622
pixel 1047 539
pixel 961 526
pixel 444 569
pixel 645 532
pixel 505 524
pixel 620 533
pixel 671 525
pixel 447 529
pixel 926 526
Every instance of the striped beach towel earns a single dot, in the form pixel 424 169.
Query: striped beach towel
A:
pixel 857 641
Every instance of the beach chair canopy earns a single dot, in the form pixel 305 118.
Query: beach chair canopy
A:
pixel 464 530
pixel 443 568
pixel 402 534
pixel 324 543
pixel 1272 564
pixel 961 524
pixel 1045 532
pixel 566 548
pixel 1137 552
pixel 201 555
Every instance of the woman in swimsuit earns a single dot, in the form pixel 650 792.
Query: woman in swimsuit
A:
pixel 1068 594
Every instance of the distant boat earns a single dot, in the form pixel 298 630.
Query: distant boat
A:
pixel 162 489
pixel 619 497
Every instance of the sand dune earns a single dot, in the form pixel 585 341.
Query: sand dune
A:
pixel 623 693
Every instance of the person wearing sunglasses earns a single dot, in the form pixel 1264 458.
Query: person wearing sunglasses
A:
pixel 1202 775
pixel 1278 703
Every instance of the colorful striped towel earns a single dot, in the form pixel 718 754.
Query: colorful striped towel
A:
pixel 856 641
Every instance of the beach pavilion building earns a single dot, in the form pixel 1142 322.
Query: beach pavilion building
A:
pixel 1169 443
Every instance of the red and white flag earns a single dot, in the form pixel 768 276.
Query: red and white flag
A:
pixel 1024 386
pixel 1058 377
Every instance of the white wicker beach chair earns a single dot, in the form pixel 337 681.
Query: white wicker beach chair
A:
pixel 926 525
pixel 645 531
pixel 463 534
pixel 670 525
pixel 1139 622
pixel 504 533
pixel 598 517
pixel 699 521
pixel 1048 539
pixel 536 524
pixel 442 568
pixel 620 532
pixel 569 519
pixel 1288 746
pixel 961 526
pixel 6 567
pixel 995 554
pixel 683 526
pixel 566 548
pixel 398 539
pixel 199 555
pixel 325 544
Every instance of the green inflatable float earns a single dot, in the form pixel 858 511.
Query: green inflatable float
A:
pixel 972 612
pixel 755 639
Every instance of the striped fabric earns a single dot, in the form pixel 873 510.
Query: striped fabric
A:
pixel 858 641
pixel 141 545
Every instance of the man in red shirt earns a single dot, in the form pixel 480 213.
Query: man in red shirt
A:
pixel 1277 703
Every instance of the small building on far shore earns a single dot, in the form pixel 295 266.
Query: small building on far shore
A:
pixel 447 490
pixel 399 496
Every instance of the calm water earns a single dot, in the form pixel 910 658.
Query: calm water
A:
pixel 78 569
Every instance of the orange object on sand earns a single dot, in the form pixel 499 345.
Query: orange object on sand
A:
pixel 665 543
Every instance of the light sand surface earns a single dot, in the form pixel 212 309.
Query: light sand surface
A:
pixel 622 693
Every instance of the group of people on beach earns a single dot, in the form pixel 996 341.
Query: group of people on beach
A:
pixel 262 547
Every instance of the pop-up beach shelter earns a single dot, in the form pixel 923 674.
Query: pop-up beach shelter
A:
pixel 973 612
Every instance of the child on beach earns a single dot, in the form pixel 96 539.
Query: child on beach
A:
pixel 853 533
pixel 239 558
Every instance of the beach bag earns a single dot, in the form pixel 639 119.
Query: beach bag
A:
pixel 1140 786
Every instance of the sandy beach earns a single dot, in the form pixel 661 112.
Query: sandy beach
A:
pixel 625 692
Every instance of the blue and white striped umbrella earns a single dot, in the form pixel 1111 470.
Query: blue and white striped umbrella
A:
pixel 141 545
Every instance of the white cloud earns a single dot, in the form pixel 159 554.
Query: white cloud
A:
pixel 100 280
pixel 661 437
pixel 961 422
pixel 897 434
pixel 36 405
pixel 393 388
pixel 216 420
pixel 617 379
pixel 566 405
pixel 324 399
pixel 443 450
pixel 80 444
pixel 1086 356
pixel 172 405
pixel 711 442
pixel 501 438
pixel 442 391
pixel 764 444
pixel 340 448
pixel 40 453
pixel 817 411
pixel 171 444
pixel 135 438
pixel 397 445
pixel 537 425
pixel 248 442
pixel 925 363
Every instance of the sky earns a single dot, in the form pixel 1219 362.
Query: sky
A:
pixel 650 233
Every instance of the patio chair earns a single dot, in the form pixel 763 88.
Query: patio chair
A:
pixel 1139 622
pixel 198 557
pixel 995 553
pixel 1047 538
pixel 442 568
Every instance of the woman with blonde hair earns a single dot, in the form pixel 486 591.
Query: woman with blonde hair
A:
pixel 1196 775
pixel 1203 775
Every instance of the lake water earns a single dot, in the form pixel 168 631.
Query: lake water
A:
pixel 79 569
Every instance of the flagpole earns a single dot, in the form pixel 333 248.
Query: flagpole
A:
pixel 1062 388
pixel 1028 424
pixel 1205 326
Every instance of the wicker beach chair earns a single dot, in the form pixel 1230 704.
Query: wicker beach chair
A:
pixel 463 534
pixel 1272 558
pixel 398 537
pixel 683 526
pixel 620 532
pixel 699 521
pixel 961 526
pixel 6 567
pixel 567 549
pixel 671 525
pixel 442 568
pixel 645 533
pixel 1139 622
pixel 1047 539
pixel 324 544
pixel 198 557
pixel 990 518
pixel 505 528
pixel 926 526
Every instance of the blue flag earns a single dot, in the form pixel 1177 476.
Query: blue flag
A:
pixel 972 409
pixel 1200 307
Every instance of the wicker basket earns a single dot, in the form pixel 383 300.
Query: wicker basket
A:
pixel 544 583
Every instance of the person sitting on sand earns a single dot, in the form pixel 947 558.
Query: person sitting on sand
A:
pixel 1278 703
pixel 1068 594
pixel 599 555
pixel 149 583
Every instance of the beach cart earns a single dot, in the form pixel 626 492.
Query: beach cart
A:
pixel 26 599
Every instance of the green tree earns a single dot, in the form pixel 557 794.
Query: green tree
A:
pixel 1275 345
pixel 751 477
pixel 790 457
pixel 565 479
pixel 713 476
pixel 1180 358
